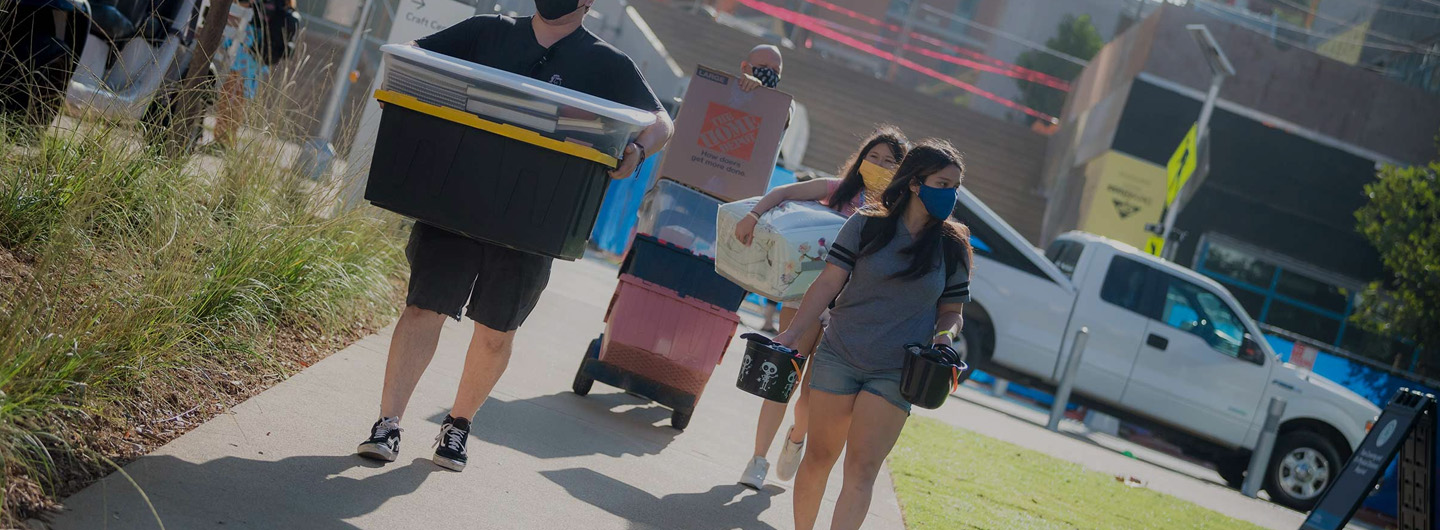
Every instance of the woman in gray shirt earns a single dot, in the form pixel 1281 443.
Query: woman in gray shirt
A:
pixel 902 274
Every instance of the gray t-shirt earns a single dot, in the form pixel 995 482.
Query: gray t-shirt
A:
pixel 876 314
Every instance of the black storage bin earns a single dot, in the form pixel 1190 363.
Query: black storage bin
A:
pixel 483 185
pixel 493 155
pixel 679 269
pixel 769 370
pixel 930 375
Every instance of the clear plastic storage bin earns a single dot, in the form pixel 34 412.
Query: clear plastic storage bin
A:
pixel 678 214
pixel 549 110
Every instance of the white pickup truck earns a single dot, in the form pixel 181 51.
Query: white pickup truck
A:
pixel 1168 350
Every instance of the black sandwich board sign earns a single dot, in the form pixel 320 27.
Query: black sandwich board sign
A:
pixel 1406 429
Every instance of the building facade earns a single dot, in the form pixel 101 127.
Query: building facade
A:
pixel 1294 139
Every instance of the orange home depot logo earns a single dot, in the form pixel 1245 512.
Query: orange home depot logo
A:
pixel 729 131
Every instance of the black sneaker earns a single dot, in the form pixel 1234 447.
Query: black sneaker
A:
pixel 450 443
pixel 384 442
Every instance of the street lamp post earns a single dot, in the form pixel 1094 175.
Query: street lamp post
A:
pixel 1220 68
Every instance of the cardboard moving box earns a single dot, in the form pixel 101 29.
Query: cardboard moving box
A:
pixel 726 140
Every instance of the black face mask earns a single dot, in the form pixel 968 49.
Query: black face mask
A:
pixel 767 76
pixel 555 9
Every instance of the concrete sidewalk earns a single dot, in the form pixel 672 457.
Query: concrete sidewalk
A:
pixel 543 457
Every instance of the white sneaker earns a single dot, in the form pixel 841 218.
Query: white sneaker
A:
pixel 754 476
pixel 790 455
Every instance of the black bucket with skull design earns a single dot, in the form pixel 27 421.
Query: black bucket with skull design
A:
pixel 769 369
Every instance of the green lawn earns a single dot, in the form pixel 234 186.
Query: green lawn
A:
pixel 949 478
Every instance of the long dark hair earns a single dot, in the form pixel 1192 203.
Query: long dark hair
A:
pixel 851 183
pixel 928 157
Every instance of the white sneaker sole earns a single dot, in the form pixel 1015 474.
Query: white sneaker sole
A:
pixel 749 483
pixel 453 465
pixel 376 452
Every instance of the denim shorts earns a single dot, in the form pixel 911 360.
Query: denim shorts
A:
pixel 832 374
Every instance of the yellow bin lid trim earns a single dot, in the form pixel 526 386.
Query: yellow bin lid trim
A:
pixel 502 129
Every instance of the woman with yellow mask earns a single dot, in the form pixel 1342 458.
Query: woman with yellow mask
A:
pixel 862 179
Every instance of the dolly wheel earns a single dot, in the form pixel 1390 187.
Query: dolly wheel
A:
pixel 680 419
pixel 582 384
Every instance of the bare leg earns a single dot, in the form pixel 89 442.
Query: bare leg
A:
pixel 875 426
pixel 830 425
pixel 411 349
pixel 488 356
pixel 769 317
pixel 772 414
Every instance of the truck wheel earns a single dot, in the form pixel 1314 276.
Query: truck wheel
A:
pixel 1302 467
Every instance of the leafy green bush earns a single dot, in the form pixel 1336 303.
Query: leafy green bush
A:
pixel 1402 221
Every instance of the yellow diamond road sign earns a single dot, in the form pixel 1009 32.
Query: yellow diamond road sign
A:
pixel 1154 245
pixel 1181 166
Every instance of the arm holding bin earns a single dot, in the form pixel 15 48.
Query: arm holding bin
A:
pixel 650 141
pixel 951 306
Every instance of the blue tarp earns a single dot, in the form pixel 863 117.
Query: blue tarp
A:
pixel 618 213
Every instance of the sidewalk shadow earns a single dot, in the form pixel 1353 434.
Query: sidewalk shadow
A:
pixel 296 492
pixel 565 425
pixel 716 509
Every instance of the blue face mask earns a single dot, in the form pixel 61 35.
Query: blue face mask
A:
pixel 940 202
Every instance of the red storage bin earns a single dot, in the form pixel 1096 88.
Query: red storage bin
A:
pixel 653 332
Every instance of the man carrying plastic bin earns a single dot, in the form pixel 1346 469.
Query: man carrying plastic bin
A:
pixel 501 284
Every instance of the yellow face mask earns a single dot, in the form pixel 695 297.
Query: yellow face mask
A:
pixel 876 178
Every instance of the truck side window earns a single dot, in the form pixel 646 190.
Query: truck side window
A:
pixel 1065 255
pixel 1125 284
pixel 1194 310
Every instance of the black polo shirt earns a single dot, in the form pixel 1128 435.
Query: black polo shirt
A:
pixel 580 61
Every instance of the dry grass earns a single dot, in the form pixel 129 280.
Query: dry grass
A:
pixel 142 295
